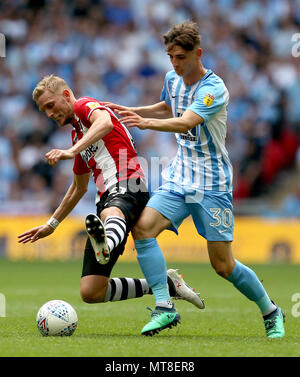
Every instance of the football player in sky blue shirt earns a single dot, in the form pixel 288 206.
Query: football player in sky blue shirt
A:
pixel 198 182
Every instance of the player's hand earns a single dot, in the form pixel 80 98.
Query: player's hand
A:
pixel 114 106
pixel 55 155
pixel 35 234
pixel 131 119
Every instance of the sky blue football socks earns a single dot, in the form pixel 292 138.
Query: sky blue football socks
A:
pixel 247 282
pixel 153 266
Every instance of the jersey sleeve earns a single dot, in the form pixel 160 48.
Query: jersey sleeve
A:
pixel 165 93
pixel 210 98
pixel 84 107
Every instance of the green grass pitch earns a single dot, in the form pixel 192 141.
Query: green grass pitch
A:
pixel 229 326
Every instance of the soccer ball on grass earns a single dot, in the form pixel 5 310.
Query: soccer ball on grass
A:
pixel 56 318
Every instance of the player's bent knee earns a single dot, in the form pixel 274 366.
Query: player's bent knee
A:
pixel 93 288
pixel 221 258
pixel 222 269
pixel 91 296
pixel 150 224
pixel 141 230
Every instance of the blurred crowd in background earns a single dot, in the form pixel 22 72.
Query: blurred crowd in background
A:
pixel 113 50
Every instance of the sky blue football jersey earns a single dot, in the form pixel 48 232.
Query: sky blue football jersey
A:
pixel 202 162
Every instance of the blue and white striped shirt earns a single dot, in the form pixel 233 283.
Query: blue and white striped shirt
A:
pixel 202 161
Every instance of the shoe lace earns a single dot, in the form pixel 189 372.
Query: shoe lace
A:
pixel 154 313
pixel 270 323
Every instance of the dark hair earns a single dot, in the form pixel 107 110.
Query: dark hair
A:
pixel 185 35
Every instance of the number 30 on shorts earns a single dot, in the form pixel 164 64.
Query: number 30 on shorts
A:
pixel 222 218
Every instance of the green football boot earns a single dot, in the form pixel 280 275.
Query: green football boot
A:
pixel 161 318
pixel 274 324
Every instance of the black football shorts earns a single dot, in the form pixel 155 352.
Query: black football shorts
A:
pixel 131 202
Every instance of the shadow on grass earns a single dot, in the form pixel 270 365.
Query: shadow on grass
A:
pixel 198 338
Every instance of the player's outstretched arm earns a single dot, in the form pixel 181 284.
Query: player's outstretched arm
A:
pixel 77 189
pixel 181 124
pixel 35 234
pixel 159 110
pixel 75 192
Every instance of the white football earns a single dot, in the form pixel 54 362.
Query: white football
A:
pixel 56 318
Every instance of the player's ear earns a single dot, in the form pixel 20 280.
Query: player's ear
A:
pixel 66 94
pixel 199 52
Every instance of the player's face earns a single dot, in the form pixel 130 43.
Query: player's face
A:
pixel 56 107
pixel 184 62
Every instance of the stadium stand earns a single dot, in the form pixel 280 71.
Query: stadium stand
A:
pixel 113 50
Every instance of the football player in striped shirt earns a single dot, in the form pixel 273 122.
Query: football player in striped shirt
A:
pixel 103 147
pixel 198 182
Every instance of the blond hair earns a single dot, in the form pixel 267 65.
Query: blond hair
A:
pixel 52 83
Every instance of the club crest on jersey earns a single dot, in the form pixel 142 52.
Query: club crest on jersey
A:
pixel 208 99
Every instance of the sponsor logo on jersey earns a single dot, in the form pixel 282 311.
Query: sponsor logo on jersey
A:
pixel 89 153
pixel 92 105
pixel 191 135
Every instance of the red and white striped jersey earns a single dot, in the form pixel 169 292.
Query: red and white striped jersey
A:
pixel 112 158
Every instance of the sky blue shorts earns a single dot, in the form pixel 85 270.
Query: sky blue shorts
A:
pixel 211 211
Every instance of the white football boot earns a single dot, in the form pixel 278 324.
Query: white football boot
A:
pixel 184 291
pixel 96 232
